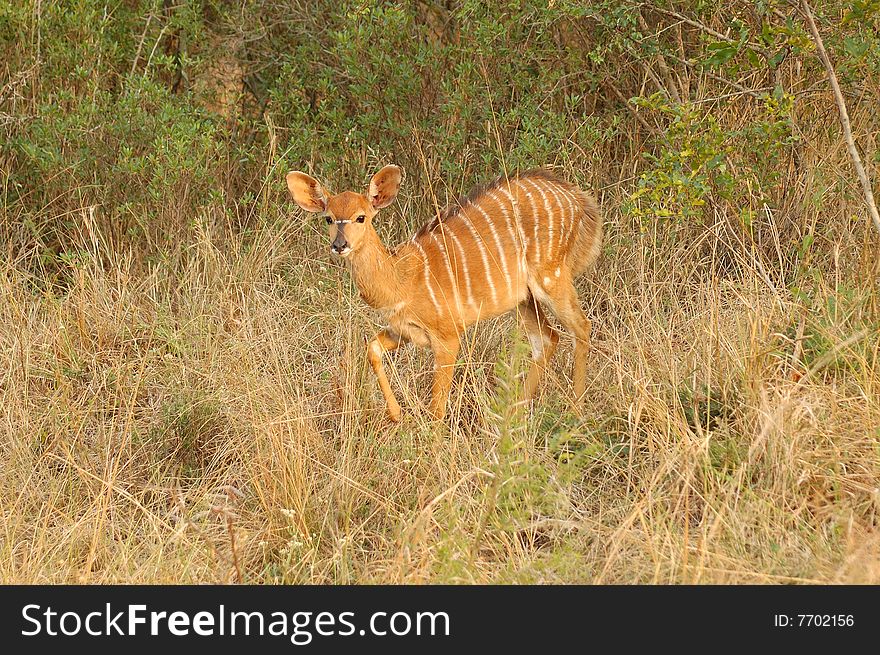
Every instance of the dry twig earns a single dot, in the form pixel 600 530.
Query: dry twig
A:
pixel 844 116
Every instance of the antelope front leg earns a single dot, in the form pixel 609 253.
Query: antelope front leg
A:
pixel 385 341
pixel 445 354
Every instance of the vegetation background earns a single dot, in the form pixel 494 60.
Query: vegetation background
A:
pixel 183 388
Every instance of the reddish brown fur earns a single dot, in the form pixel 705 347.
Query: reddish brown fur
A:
pixel 512 244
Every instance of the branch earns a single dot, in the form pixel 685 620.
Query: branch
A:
pixel 704 28
pixel 650 128
pixel 844 116
pixel 755 93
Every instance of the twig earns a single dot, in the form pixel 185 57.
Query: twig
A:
pixel 137 55
pixel 232 547
pixel 617 92
pixel 749 92
pixel 153 51
pixel 798 349
pixel 755 93
pixel 844 116
pixel 703 28
pixel 671 86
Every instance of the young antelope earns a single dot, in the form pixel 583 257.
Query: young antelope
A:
pixel 516 243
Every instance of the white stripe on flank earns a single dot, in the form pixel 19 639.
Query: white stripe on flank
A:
pixel 517 222
pixel 550 218
pixel 568 234
pixel 558 192
pixel 478 241
pixel 534 220
pixel 464 267
pixel 428 276
pixel 441 246
pixel 501 254
pixel 518 244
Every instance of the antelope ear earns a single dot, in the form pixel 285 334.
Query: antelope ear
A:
pixel 384 186
pixel 307 192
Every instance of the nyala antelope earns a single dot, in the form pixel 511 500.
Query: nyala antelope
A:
pixel 516 243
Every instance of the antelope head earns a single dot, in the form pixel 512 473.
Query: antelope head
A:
pixel 349 215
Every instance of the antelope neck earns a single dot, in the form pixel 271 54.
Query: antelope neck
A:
pixel 372 268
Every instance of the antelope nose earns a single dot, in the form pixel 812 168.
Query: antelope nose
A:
pixel 339 244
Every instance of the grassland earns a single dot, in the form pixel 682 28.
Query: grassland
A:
pixel 201 410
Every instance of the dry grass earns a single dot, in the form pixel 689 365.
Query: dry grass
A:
pixel 210 417
pixel 213 420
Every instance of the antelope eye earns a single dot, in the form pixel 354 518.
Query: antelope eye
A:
pixel 361 219
pixel 329 220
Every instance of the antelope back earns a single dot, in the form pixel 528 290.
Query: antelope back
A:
pixel 483 255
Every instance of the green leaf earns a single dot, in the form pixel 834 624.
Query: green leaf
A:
pixel 855 46
pixel 721 53
pixel 776 59
pixel 753 58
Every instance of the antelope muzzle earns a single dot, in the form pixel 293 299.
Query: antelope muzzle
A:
pixel 340 243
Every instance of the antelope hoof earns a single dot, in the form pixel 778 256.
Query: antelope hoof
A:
pixel 394 412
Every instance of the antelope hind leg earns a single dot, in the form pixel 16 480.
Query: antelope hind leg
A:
pixel 543 339
pixel 445 354
pixel 567 308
